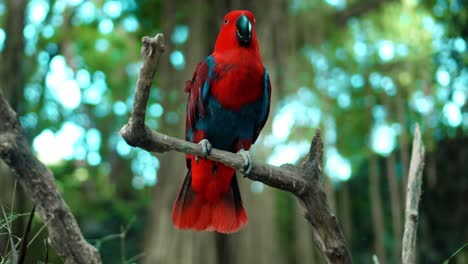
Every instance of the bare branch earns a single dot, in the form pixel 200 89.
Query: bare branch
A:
pixel 39 185
pixel 150 53
pixel 413 194
pixel 303 181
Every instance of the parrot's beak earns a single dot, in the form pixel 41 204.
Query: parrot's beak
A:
pixel 244 30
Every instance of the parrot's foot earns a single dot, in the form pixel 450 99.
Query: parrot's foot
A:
pixel 206 147
pixel 247 168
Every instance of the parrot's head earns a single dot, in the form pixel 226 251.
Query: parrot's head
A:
pixel 237 31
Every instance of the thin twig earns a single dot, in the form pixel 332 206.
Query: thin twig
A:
pixel 39 231
pixel 375 259
pixel 123 233
pixel 13 197
pixel 413 194
pixel 455 253
pixel 135 258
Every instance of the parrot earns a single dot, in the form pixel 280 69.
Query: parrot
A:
pixel 227 106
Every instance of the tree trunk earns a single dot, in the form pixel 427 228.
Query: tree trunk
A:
pixel 376 204
pixel 12 57
pixel 392 178
pixel 305 248
pixel 12 85
pixel 404 152
pixel 431 172
pixel 164 243
pixel 374 193
pixel 395 205
pixel 345 216
pixel 260 235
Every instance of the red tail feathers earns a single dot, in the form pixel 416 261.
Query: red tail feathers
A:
pixel 200 210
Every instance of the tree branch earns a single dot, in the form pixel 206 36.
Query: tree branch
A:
pixel 39 185
pixel 303 181
pixel 413 194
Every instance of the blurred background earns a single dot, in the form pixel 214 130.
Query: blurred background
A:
pixel 363 71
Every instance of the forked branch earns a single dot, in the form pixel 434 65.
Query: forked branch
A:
pixel 304 181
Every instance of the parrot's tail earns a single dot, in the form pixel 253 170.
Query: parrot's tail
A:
pixel 193 211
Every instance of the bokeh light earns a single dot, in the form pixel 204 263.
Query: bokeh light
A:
pixel 54 147
pixel 337 167
pixel 37 11
pixel 177 59
pixel 180 34
pixel 383 139
pixel 386 50
pixel 452 114
pixel 112 8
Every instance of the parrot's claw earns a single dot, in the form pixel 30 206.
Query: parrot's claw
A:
pixel 206 147
pixel 247 168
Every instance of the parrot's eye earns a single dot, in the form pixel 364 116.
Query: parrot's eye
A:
pixel 226 21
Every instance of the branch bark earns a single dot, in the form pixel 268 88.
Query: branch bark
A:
pixel 413 194
pixel 303 181
pixel 39 185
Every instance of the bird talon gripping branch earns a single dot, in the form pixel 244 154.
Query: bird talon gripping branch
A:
pixel 247 168
pixel 206 147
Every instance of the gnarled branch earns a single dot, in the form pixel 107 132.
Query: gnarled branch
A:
pixel 39 185
pixel 303 181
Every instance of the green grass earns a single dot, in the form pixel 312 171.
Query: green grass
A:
pixel 16 248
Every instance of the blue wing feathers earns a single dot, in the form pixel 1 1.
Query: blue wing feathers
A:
pixel 265 109
pixel 206 86
pixel 266 96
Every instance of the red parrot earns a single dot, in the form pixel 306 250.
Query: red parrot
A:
pixel 228 104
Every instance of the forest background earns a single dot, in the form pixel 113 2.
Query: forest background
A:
pixel 363 71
